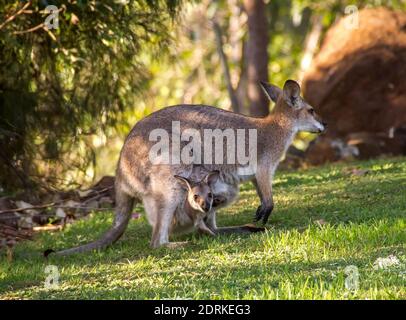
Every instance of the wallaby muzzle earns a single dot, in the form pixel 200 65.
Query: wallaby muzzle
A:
pixel 324 124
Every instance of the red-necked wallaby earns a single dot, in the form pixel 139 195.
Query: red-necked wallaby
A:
pixel 138 178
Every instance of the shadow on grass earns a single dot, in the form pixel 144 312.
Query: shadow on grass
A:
pixel 255 279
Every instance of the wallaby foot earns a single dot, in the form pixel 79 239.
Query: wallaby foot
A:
pixel 203 229
pixel 263 213
pixel 156 243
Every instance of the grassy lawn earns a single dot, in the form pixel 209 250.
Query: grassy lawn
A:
pixel 325 219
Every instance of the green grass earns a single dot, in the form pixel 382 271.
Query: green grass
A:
pixel 363 218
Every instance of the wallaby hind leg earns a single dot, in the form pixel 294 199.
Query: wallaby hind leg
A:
pixel 165 210
pixel 202 228
pixel 164 217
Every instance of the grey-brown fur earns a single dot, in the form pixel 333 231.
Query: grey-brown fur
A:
pixel 137 179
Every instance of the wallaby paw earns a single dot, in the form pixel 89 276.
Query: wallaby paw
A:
pixel 263 213
pixel 206 232
pixel 176 245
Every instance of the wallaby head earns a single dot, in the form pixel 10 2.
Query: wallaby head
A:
pixel 293 107
pixel 200 196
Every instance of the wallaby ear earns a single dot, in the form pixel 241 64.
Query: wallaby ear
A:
pixel 212 177
pixel 291 91
pixel 272 92
pixel 185 181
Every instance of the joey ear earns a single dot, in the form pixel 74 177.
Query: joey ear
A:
pixel 212 177
pixel 185 181
pixel 272 92
pixel 291 91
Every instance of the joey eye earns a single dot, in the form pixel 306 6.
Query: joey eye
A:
pixel 210 195
pixel 311 111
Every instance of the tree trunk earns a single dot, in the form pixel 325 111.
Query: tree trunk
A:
pixel 311 44
pixel 257 56
pixel 226 71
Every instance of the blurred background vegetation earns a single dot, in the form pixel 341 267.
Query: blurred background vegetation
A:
pixel 69 96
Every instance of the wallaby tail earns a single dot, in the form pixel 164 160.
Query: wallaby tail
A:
pixel 248 228
pixel 124 205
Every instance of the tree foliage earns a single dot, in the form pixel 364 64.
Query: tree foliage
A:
pixel 58 86
pixel 194 74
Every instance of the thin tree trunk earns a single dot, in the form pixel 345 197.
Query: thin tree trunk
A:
pixel 241 89
pixel 311 44
pixel 257 56
pixel 224 63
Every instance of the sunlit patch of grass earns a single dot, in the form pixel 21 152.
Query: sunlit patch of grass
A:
pixel 325 219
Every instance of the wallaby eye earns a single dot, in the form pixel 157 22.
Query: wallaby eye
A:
pixel 311 111
pixel 210 195
pixel 196 197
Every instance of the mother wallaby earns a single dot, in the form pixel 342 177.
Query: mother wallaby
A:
pixel 139 178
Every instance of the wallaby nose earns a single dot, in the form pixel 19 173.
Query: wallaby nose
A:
pixel 206 207
pixel 324 124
